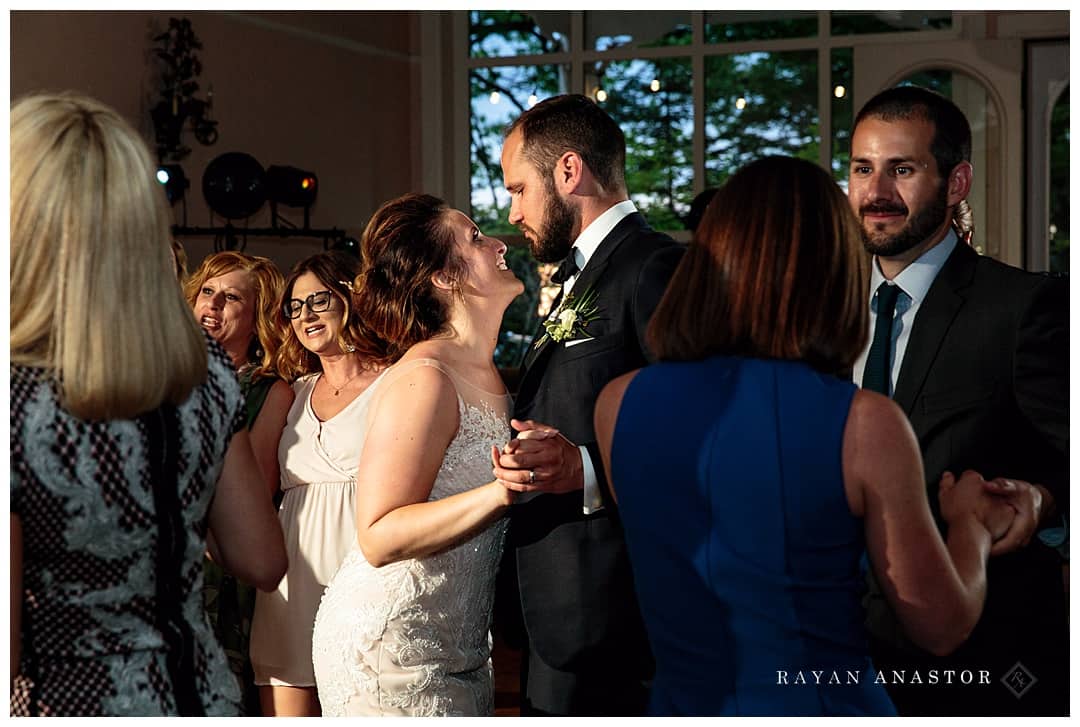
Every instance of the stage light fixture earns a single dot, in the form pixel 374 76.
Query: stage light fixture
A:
pixel 234 185
pixel 291 186
pixel 173 179
pixel 348 245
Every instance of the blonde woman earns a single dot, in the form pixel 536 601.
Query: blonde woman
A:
pixel 235 299
pixel 124 415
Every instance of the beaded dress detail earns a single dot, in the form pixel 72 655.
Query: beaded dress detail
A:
pixel 412 638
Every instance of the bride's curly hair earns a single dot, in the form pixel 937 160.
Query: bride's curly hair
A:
pixel 405 244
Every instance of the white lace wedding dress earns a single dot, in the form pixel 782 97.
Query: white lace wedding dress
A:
pixel 412 638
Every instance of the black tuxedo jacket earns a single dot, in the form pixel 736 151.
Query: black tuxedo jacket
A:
pixel 984 382
pixel 574 581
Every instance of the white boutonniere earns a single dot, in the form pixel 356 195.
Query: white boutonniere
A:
pixel 570 319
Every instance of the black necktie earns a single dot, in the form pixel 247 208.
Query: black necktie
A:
pixel 876 374
pixel 566 269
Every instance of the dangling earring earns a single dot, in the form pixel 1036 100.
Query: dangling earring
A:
pixel 349 348
pixel 259 354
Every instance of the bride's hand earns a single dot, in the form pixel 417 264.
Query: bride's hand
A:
pixel 539 459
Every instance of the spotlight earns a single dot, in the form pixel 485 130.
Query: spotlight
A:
pixel 173 179
pixel 347 244
pixel 234 185
pixel 291 186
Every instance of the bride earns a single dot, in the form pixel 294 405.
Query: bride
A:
pixel 403 625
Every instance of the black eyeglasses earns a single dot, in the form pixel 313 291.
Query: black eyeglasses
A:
pixel 316 303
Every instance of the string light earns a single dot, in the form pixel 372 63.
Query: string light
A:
pixel 839 92
pixel 655 85
pixel 740 103
pixel 495 97
pixel 601 95
pixel 532 100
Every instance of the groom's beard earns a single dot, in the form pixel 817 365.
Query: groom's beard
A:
pixel 552 242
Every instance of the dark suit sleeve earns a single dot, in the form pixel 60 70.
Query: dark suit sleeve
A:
pixel 651 285
pixel 1041 371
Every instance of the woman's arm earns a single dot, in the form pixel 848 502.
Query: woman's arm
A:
pixel 416 420
pixel 266 432
pixel 936 588
pixel 16 593
pixel 244 526
pixel 605 415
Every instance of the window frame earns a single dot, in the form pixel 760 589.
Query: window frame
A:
pixel 697 51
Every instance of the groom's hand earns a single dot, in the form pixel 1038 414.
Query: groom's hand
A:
pixel 539 459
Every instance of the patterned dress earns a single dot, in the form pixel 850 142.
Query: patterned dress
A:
pixel 114 521
pixel 412 638
pixel 230 603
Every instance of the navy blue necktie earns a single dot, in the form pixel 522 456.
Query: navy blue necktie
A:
pixel 876 375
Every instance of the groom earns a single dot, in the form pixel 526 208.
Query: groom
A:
pixel 563 163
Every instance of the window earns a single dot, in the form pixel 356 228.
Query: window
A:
pixel 698 94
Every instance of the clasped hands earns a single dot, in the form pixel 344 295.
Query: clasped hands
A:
pixel 1009 509
pixel 539 459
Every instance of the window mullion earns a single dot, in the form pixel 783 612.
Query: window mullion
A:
pixel 697 60
pixel 577 46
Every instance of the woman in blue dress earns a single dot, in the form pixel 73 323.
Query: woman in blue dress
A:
pixel 751 478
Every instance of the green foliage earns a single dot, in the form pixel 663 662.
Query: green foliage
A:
pixel 520 320
pixel 780 115
pixel 803 25
pixel 510 31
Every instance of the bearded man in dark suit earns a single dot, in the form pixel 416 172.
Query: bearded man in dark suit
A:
pixel 976 353
pixel 563 164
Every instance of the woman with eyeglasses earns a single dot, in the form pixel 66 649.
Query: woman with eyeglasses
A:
pixel 235 298
pixel 318 455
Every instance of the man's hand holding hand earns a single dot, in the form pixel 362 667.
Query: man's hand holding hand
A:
pixel 539 459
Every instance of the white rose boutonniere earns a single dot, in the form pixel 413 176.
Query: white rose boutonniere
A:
pixel 570 319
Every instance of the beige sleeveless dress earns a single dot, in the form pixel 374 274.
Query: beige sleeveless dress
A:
pixel 318 476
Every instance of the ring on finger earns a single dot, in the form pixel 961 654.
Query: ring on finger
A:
pixel 532 476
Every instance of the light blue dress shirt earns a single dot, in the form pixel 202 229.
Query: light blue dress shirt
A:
pixel 914 282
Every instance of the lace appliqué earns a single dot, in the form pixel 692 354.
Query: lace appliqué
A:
pixel 412 638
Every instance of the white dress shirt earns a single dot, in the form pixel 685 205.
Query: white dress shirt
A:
pixel 584 247
pixel 914 281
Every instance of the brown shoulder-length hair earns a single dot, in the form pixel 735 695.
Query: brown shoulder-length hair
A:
pixel 775 270
pixel 336 270
pixel 267 282
pixel 406 242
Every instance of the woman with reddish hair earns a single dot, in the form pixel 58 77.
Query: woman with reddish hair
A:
pixel 234 297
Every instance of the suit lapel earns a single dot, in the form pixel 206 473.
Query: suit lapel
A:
pixel 588 277
pixel 534 350
pixel 931 324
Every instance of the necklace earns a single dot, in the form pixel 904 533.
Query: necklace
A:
pixel 337 389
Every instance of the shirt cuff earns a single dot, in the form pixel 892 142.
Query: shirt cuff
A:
pixel 593 501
